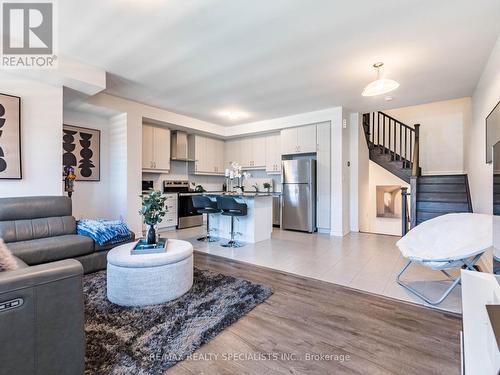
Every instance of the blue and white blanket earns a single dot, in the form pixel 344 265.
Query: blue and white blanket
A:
pixel 104 232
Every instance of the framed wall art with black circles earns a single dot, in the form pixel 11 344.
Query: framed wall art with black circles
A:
pixel 81 151
pixel 10 137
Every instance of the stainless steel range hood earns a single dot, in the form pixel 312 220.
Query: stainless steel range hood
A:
pixel 179 146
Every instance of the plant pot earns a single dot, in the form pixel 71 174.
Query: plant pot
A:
pixel 151 235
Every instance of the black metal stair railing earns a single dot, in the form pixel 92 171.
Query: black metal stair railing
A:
pixel 396 147
pixel 390 136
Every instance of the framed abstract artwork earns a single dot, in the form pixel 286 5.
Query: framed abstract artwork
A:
pixel 81 151
pixel 10 137
pixel 389 201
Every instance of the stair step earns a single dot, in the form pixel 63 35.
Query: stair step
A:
pixel 442 188
pixel 452 179
pixel 422 216
pixel 442 197
pixel 445 207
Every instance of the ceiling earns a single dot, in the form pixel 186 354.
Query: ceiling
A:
pixel 273 58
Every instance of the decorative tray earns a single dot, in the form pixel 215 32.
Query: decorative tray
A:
pixel 142 247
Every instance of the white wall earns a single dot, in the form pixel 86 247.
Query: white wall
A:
pixel 41 137
pixel 484 99
pixel 442 127
pixel 118 173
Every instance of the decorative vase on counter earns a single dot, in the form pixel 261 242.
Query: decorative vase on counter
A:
pixel 151 235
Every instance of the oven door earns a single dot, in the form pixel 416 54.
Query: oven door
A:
pixel 188 216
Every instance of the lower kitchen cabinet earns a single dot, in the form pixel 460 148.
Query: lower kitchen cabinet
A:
pixel 170 218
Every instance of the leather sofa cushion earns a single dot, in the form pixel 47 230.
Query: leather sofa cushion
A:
pixel 22 208
pixel 50 249
pixel 31 229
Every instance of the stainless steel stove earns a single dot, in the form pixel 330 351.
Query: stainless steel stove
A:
pixel 187 215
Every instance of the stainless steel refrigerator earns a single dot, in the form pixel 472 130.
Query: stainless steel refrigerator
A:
pixel 299 195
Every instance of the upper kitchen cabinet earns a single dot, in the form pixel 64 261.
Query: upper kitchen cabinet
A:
pixel 253 152
pixel 155 149
pixel 273 153
pixel 232 152
pixel 208 154
pixel 300 140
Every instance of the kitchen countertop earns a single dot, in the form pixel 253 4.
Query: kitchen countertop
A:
pixel 248 194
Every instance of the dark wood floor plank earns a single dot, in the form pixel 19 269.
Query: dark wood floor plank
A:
pixel 311 317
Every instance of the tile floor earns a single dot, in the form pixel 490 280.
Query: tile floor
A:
pixel 363 261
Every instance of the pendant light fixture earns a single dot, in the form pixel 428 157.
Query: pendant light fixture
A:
pixel 381 85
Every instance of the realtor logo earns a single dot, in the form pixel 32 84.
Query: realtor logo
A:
pixel 28 35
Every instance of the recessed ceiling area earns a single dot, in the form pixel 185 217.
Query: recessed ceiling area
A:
pixel 276 58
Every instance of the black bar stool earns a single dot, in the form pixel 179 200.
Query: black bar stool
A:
pixel 204 205
pixel 230 207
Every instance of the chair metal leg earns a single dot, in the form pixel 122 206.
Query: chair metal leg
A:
pixel 232 242
pixel 208 237
pixel 468 264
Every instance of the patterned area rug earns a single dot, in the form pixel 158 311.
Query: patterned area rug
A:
pixel 149 340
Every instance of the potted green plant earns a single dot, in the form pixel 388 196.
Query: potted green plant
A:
pixel 152 212
pixel 267 186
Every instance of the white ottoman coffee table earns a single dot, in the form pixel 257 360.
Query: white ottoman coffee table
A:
pixel 149 279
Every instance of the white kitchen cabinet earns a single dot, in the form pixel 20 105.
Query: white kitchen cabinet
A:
pixel 155 149
pixel 323 177
pixel 300 140
pixel 306 139
pixel 289 141
pixel 147 147
pixel 273 153
pixel 246 152
pixel 232 152
pixel 217 146
pixel 253 152
pixel 259 151
pixel 208 154
pixel 170 218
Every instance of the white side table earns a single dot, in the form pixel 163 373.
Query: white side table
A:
pixel 149 279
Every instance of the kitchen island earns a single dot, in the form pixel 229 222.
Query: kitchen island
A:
pixel 256 226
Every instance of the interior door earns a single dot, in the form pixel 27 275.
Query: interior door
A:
pixel 296 210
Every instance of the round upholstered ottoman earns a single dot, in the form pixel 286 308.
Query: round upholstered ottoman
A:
pixel 149 279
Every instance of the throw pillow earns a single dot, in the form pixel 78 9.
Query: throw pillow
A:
pixel 7 260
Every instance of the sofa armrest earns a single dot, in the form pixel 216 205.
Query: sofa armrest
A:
pixel 42 319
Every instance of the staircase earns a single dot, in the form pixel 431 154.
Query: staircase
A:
pixel 439 195
pixel 395 147
pixel 496 194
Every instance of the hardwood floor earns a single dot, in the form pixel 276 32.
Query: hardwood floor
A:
pixel 306 317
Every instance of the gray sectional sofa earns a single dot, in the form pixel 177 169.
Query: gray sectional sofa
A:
pixel 41 303
pixel 39 230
